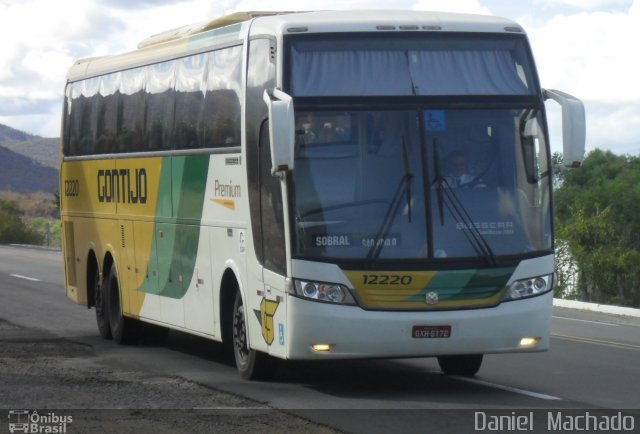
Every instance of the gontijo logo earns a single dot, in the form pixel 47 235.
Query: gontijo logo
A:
pixel 122 185
pixel 32 422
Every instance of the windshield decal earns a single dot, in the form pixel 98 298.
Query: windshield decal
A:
pixel 489 228
pixel 435 121
pixel 357 240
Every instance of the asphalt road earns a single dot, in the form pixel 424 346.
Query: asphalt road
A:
pixel 594 364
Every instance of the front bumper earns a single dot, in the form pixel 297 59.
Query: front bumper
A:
pixel 356 333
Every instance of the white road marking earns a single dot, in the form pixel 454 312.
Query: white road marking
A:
pixel 597 342
pixel 32 279
pixel 584 320
pixel 510 389
pixel 233 408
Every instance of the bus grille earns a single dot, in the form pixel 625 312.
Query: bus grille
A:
pixel 429 290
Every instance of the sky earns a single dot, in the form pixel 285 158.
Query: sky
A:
pixel 587 48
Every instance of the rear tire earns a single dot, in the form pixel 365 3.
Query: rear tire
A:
pixel 122 328
pixel 466 365
pixel 101 306
pixel 251 364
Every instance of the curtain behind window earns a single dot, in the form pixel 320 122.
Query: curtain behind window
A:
pixel 370 72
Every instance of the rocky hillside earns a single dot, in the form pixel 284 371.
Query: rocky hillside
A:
pixel 27 163
pixel 44 150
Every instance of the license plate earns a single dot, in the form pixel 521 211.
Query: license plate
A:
pixel 431 332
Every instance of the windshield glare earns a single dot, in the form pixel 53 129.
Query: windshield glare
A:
pixel 385 185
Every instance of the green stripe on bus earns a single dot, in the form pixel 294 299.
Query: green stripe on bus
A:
pixel 182 190
pixel 458 285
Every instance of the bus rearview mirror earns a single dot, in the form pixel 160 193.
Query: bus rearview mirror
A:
pixel 573 126
pixel 281 130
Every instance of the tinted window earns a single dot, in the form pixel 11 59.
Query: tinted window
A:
pixel 221 114
pixel 160 103
pixel 189 100
pixel 188 103
pixel 74 118
pixel 88 120
pixel 415 65
pixel 131 111
pixel 107 116
pixel 260 76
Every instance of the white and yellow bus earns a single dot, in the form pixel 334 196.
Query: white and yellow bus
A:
pixel 317 185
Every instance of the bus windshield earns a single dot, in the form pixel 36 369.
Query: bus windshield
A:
pixel 420 184
pixel 458 176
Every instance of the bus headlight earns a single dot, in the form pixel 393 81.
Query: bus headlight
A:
pixel 320 291
pixel 528 287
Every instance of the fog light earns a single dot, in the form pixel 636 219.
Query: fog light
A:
pixel 321 348
pixel 528 342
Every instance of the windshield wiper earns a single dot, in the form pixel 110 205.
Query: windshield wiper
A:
pixel 407 176
pixel 403 187
pixel 447 198
pixel 438 181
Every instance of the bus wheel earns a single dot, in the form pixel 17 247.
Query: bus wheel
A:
pixel 122 329
pixel 251 364
pixel 101 306
pixel 466 365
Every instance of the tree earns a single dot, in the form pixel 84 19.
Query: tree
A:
pixel 597 209
pixel 557 160
pixel 55 204
pixel 12 229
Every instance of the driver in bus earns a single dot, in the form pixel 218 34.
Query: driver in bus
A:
pixel 457 172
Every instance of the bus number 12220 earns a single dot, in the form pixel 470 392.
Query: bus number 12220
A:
pixel 387 279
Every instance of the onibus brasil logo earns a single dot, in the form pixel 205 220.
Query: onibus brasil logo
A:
pixel 31 422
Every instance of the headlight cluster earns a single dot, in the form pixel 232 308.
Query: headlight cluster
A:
pixel 327 292
pixel 528 287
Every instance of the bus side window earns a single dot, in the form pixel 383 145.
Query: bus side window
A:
pixel 189 100
pixel 160 105
pixel 73 118
pixel 261 75
pixel 220 116
pixel 89 117
pixel 272 219
pixel 107 122
pixel 131 109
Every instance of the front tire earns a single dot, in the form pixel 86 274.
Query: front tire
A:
pixel 122 328
pixel 251 364
pixel 466 365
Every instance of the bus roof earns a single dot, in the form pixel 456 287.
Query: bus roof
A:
pixel 230 28
pixel 385 20
pixel 194 29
